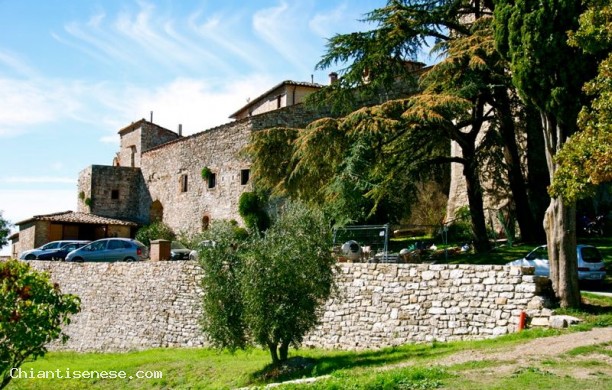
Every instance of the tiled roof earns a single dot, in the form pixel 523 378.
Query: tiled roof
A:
pixel 76 217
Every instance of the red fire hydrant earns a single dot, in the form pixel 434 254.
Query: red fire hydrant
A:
pixel 522 319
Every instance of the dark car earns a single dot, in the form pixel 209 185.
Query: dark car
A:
pixel 178 251
pixel 110 249
pixel 32 254
pixel 62 252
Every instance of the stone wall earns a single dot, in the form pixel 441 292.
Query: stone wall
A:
pixel 391 304
pixel 141 305
pixel 127 306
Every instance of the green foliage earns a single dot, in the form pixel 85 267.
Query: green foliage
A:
pixel 88 202
pixel 251 207
pixel 206 172
pixel 82 195
pixel 268 290
pixel 155 231
pixel 546 71
pixel 460 229
pixel 4 231
pixel 32 312
pixel 586 158
pixel 223 305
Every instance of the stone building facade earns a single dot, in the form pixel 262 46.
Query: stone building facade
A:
pixel 157 173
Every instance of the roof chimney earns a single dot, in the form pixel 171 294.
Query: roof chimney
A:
pixel 151 117
pixel 333 78
pixel 180 130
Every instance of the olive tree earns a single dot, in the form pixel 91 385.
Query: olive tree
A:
pixel 269 289
pixel 32 312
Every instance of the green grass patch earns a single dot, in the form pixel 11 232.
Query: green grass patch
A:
pixel 604 349
pixel 209 369
pixel 409 378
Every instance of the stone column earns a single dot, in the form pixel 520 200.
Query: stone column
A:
pixel 160 250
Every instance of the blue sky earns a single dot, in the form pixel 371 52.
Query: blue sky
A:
pixel 72 73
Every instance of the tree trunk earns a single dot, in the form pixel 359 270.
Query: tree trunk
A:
pixel 273 353
pixel 284 351
pixel 474 193
pixel 560 226
pixel 530 230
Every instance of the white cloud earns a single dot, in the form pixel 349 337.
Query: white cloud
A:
pixel 196 104
pixel 26 103
pixel 282 27
pixel 140 37
pixel 16 64
pixel 325 25
pixel 37 180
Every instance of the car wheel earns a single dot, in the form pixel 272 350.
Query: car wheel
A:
pixel 78 259
pixel 30 257
pixel 129 259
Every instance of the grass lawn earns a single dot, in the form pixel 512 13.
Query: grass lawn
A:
pixel 209 369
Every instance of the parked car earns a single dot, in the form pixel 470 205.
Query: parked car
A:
pixel 110 249
pixel 50 246
pixel 590 262
pixel 193 255
pixel 61 253
pixel 178 251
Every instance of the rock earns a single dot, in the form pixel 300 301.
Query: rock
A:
pixel 560 322
pixel 540 321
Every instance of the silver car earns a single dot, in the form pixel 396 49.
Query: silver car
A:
pixel 110 249
pixel 47 248
pixel 590 262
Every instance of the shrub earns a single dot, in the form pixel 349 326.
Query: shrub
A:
pixel 32 312
pixel 154 231
pixel 251 207
pixel 460 230
pixel 206 172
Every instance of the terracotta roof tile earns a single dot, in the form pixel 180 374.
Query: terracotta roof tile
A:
pixel 77 217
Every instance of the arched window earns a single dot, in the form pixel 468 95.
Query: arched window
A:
pixel 205 222
pixel 156 213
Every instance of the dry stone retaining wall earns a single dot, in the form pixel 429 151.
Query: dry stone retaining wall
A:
pixel 142 305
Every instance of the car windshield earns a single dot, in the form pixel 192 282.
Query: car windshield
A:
pixel 591 255
pixel 540 253
pixel 177 245
pixel 51 245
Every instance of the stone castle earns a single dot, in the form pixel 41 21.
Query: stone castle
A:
pixel 157 173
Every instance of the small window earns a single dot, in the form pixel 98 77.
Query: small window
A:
pixel 244 176
pixel 212 180
pixel 183 183
pixel 114 194
pixel 278 101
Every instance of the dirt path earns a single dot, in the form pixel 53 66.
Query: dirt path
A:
pixel 539 348
pixel 531 354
